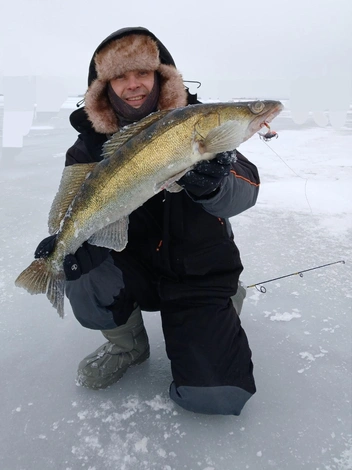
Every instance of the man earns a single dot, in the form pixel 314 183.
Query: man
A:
pixel 180 258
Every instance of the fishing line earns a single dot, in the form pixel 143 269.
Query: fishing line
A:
pixel 293 171
pixel 299 273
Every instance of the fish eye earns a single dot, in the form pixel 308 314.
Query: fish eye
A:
pixel 257 107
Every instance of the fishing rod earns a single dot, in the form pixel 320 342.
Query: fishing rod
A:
pixel 299 273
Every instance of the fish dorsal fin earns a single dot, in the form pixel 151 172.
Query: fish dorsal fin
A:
pixel 226 137
pixel 126 133
pixel 73 177
pixel 113 236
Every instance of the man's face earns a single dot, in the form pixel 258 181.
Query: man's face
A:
pixel 133 87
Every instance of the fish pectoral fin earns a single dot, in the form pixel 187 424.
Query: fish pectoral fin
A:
pixel 113 236
pixel 73 177
pixel 174 188
pixel 171 184
pixel 226 137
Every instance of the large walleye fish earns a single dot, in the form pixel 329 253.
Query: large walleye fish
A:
pixel 94 200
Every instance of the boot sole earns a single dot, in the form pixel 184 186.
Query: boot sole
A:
pixel 94 385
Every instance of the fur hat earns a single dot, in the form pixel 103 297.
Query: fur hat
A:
pixel 131 52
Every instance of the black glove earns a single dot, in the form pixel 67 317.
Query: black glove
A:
pixel 86 258
pixel 207 175
pixel 45 247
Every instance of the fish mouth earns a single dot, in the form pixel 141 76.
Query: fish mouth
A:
pixel 273 113
pixel 262 120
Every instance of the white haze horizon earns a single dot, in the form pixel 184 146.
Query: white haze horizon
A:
pixel 298 51
pixel 247 49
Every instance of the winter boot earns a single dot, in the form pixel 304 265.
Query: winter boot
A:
pixel 127 346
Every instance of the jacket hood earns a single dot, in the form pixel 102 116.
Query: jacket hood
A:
pixel 129 49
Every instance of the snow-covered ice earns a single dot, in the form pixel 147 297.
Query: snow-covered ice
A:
pixel 299 330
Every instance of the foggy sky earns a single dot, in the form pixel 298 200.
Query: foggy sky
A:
pixel 233 48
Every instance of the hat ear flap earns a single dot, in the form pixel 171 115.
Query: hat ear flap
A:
pixel 173 93
pixel 99 109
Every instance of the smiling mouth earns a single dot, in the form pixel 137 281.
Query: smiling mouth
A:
pixel 136 98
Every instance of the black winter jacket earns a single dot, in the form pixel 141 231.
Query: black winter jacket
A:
pixel 172 239
pixel 176 238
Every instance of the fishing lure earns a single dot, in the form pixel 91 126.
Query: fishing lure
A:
pixel 269 135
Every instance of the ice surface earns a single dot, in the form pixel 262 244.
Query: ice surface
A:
pixel 299 331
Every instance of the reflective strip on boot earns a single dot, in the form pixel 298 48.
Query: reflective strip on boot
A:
pixel 238 298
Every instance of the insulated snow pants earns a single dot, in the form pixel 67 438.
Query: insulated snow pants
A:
pixel 205 342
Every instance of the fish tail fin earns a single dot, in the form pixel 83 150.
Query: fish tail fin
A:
pixel 39 278
pixel 35 278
